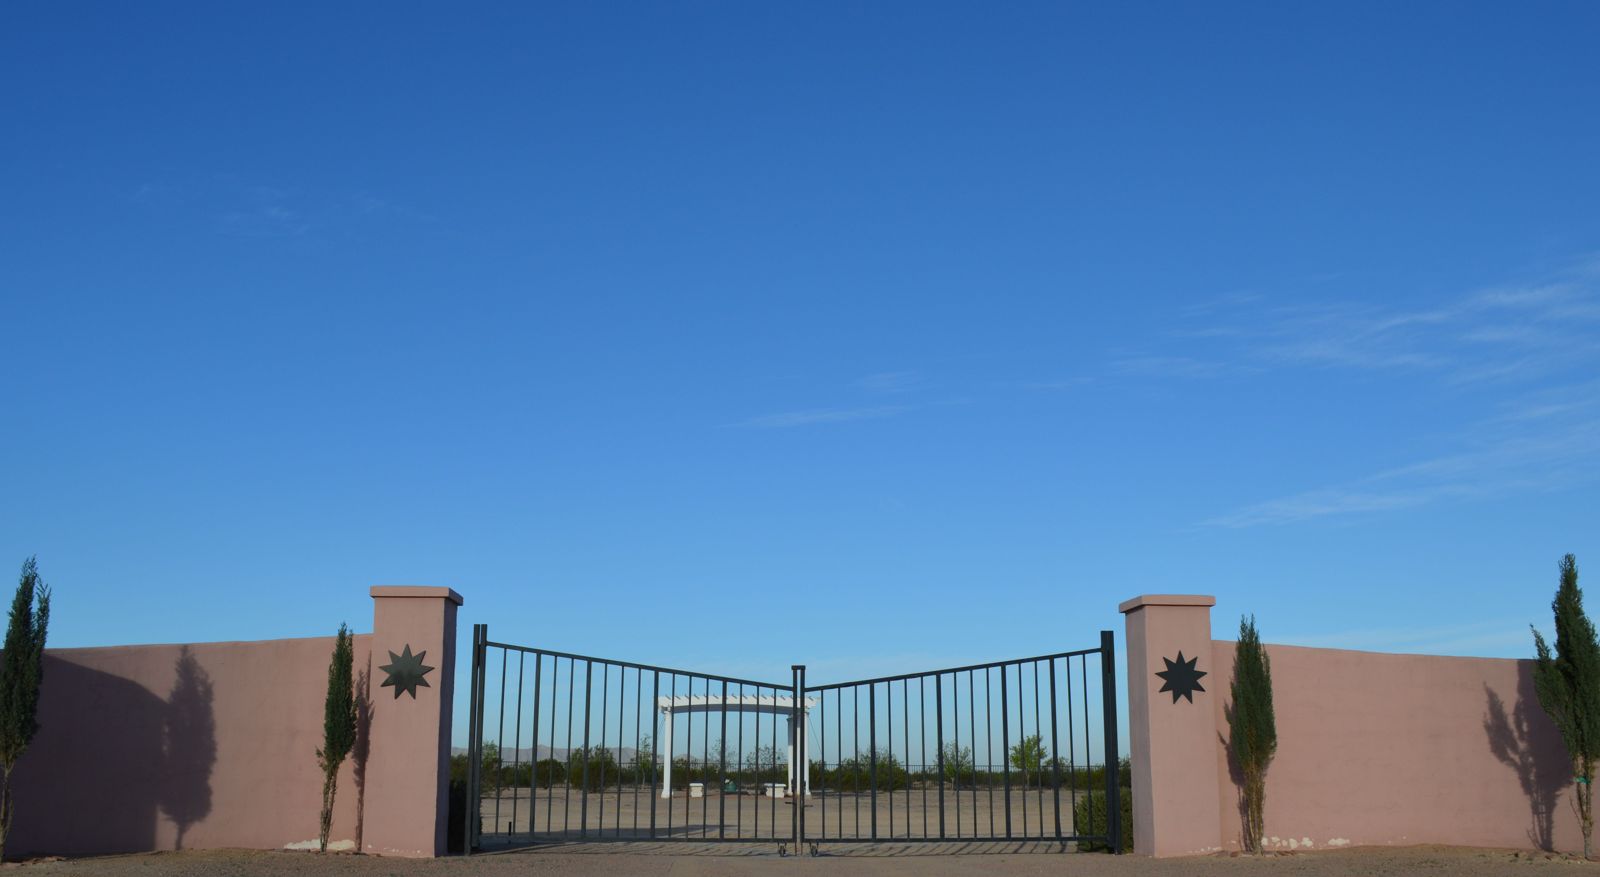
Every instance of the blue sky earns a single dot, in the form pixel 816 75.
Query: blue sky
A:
pixel 643 325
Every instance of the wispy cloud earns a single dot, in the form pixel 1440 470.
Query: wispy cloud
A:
pixel 1062 384
pixel 1183 367
pixel 890 382
pixel 1553 444
pixel 814 416
pixel 1496 334
pixel 1533 343
pixel 1496 636
pixel 239 207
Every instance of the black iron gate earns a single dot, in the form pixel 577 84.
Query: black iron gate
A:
pixel 566 747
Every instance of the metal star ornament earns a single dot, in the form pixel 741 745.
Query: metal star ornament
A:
pixel 405 672
pixel 1182 679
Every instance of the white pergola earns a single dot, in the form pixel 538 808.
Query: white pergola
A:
pixel 774 705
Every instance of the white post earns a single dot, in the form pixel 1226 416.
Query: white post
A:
pixel 666 768
pixel 791 757
pixel 806 768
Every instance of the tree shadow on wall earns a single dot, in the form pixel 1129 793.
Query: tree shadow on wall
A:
pixel 189 746
pixel 1236 774
pixel 362 748
pixel 1527 741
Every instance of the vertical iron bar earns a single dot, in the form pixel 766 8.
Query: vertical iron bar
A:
pixel 533 777
pixel 938 730
pixel 1005 745
pixel 1072 747
pixel 1088 765
pixel 722 768
pixel 772 802
pixel 838 719
pixel 588 712
pixel 739 768
pixel 555 714
pixel 922 737
pixel 905 731
pixel 705 756
pixel 622 688
pixel 972 728
pixel 1055 750
pixel 638 744
pixel 955 712
pixel 655 747
pixel 797 767
pixel 500 737
pixel 821 727
pixel 516 746
pixel 755 736
pixel 566 804
pixel 672 719
pixel 888 694
pixel 988 739
pixel 855 769
pixel 605 706
pixel 1108 699
pixel 688 760
pixel 872 754
pixel 1040 770
pixel 474 733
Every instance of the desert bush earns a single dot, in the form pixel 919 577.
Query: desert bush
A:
pixel 856 774
pixel 1089 814
pixel 593 768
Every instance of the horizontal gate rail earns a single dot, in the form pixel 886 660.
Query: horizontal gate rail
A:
pixel 632 666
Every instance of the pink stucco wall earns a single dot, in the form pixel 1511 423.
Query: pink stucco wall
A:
pixel 1402 749
pixel 183 746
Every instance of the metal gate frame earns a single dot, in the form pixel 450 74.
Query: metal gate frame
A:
pixel 800 697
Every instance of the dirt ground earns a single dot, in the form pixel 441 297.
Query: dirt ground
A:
pixel 559 814
pixel 912 860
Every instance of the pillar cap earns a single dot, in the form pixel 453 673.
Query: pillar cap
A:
pixel 1144 600
pixel 416 591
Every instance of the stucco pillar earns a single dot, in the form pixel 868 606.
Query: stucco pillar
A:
pixel 406 792
pixel 1174 734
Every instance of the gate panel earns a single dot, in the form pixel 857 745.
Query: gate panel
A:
pixel 574 748
pixel 566 747
pixel 989 752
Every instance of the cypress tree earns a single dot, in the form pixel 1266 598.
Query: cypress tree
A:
pixel 1253 729
pixel 338 725
pixel 21 669
pixel 1568 684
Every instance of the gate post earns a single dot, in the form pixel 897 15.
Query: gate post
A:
pixel 407 774
pixel 799 765
pixel 1172 723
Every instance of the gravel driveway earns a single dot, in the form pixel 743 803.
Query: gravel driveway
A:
pixel 885 861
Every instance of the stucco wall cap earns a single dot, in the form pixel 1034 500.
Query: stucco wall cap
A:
pixel 416 591
pixel 1144 600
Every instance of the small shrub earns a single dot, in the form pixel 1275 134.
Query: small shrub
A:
pixel 856 774
pixel 550 772
pixel 1095 823
pixel 593 768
